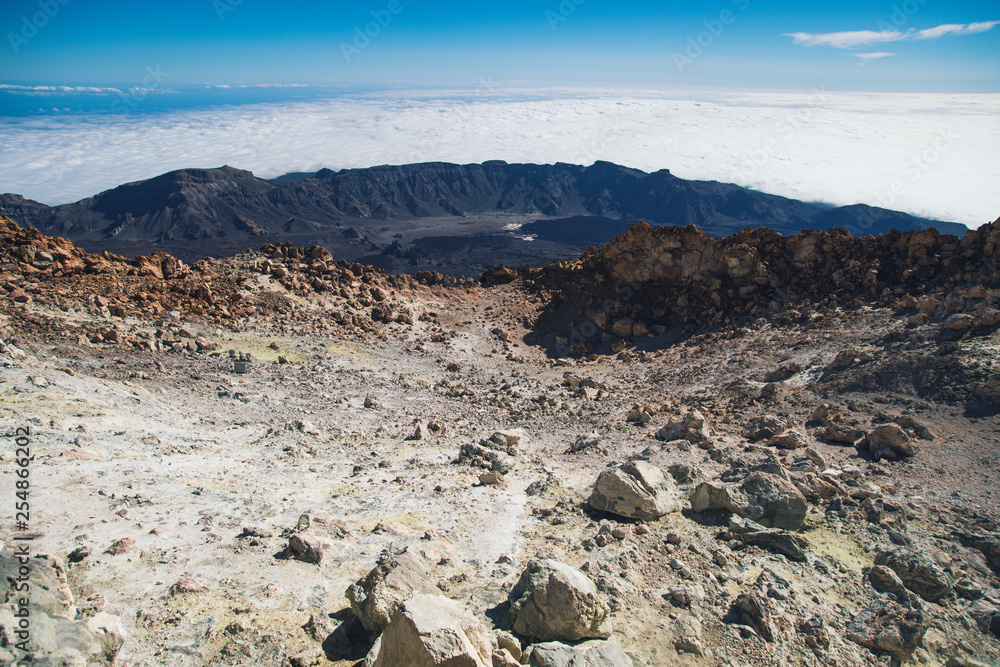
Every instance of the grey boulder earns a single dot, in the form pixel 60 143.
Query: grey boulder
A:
pixel 762 497
pixel 636 490
pixel 593 653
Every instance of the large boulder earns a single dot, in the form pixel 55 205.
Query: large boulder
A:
pixel 593 653
pixel 555 602
pixel 636 490
pixel 917 572
pixel 431 630
pixel 762 497
pixel 395 578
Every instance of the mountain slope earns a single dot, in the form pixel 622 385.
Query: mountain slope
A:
pixel 196 212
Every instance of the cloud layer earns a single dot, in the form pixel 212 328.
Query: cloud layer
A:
pixel 930 155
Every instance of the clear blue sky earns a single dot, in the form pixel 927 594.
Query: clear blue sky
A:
pixel 929 46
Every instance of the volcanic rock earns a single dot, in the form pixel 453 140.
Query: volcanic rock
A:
pixel 555 602
pixel 636 490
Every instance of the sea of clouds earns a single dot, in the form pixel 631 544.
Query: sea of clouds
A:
pixel 929 155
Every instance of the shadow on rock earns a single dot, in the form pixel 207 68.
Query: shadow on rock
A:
pixel 350 641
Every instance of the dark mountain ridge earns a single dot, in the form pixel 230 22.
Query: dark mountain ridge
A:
pixel 362 212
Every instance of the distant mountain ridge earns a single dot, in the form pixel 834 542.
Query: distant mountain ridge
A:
pixel 220 211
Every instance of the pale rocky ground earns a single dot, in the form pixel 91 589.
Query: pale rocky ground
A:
pixel 181 454
pixel 207 474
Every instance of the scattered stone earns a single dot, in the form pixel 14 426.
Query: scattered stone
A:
pixel 752 610
pixel 688 635
pixel 55 638
pixel 787 440
pixel 636 490
pixel 124 545
pixel 766 427
pixel 693 428
pixel 308 547
pixel 553 601
pixel 890 442
pixel 508 642
pixel 491 478
pixel 586 442
pixel 187 585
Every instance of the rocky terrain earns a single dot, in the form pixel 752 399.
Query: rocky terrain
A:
pixel 457 219
pixel 673 450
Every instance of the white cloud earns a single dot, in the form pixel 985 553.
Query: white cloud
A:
pixel 224 86
pixel 880 149
pixel 846 40
pixel 955 29
pixel 858 38
pixel 54 90
pixel 868 57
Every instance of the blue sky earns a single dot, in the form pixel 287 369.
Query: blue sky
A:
pixel 892 46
